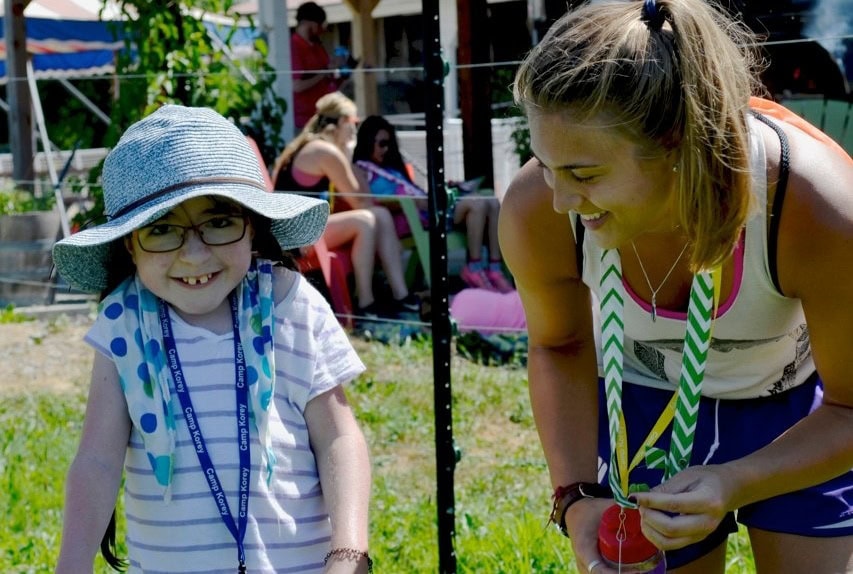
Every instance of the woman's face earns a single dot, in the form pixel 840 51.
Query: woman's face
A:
pixel 380 146
pixel 594 169
pixel 194 278
pixel 346 132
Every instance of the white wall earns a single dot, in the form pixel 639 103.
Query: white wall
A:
pixel 504 159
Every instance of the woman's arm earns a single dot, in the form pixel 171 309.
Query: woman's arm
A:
pixel 815 265
pixel 328 160
pixel 344 466
pixel 94 477
pixel 539 248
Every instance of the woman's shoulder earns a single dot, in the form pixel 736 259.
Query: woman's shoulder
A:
pixel 319 147
pixel 815 217
pixel 528 195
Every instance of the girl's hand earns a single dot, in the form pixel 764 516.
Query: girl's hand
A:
pixel 686 508
pixel 582 520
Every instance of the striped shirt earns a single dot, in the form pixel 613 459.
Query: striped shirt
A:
pixel 288 527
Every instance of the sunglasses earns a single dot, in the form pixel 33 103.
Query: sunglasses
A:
pixel 383 143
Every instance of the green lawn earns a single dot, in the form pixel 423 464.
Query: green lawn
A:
pixel 502 492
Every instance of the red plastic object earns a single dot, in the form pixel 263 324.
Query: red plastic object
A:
pixel 335 265
pixel 636 548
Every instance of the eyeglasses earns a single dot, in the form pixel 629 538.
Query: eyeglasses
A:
pixel 165 237
pixel 383 143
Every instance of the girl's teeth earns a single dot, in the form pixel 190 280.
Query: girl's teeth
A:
pixel 201 279
pixel 592 216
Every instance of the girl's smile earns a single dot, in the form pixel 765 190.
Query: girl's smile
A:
pixel 194 278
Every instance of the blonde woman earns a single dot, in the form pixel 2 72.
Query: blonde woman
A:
pixel 319 161
pixel 715 232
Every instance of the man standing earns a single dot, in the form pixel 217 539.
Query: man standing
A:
pixel 312 78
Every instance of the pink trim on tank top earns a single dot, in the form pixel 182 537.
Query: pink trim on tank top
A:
pixel 681 315
pixel 303 178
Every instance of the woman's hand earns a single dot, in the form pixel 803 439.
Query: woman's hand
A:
pixel 686 508
pixel 582 520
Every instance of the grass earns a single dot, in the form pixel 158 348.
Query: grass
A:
pixel 501 483
pixel 8 314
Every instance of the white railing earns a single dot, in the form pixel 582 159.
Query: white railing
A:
pixel 505 162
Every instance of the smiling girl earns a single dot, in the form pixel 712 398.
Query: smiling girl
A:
pixel 217 382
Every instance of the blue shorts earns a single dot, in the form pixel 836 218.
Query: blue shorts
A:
pixel 742 426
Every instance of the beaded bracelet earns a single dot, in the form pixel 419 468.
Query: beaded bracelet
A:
pixel 350 554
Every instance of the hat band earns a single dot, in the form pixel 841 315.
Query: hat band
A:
pixel 200 181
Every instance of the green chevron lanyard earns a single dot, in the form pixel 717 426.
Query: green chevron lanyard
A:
pixel 683 409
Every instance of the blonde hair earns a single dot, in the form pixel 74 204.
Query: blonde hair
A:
pixel 677 80
pixel 329 110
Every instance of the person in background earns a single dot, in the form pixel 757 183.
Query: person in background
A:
pixel 318 161
pixel 314 76
pixel 714 230
pixel 218 372
pixel 377 156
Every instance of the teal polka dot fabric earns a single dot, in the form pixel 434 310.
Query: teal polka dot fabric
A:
pixel 136 345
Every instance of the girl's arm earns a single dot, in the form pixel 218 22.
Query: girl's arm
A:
pixel 344 466
pixel 93 480
pixel 815 265
pixel 539 248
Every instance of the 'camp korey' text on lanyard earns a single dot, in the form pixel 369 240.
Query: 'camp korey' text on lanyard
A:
pixel 238 528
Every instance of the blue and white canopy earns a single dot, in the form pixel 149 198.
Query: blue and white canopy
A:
pixel 78 38
pixel 68 38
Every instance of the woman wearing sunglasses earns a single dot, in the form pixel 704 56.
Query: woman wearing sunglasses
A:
pixel 317 162
pixel 377 157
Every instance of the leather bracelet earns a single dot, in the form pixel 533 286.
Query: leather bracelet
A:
pixel 565 496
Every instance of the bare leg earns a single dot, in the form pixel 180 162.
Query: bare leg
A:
pixel 359 227
pixel 711 563
pixel 494 212
pixel 473 212
pixel 779 553
pixel 390 251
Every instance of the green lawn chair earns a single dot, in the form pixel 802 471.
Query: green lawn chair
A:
pixel 833 117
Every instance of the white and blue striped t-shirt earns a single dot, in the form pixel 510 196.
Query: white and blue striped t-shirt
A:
pixel 288 526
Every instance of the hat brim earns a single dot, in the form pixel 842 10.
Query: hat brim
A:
pixel 82 258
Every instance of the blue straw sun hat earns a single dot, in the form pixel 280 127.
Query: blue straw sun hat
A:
pixel 173 155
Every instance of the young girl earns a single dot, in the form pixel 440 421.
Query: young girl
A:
pixel 377 158
pixel 716 384
pixel 217 381
pixel 318 161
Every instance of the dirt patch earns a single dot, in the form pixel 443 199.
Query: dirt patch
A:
pixel 45 355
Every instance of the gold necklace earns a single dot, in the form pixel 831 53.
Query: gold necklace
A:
pixel 662 283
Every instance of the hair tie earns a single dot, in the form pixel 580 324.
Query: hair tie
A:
pixel 652 15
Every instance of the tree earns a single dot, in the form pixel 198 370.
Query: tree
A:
pixel 172 57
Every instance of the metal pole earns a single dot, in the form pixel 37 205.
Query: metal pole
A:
pixel 445 450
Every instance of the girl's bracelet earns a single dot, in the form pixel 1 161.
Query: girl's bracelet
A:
pixel 349 554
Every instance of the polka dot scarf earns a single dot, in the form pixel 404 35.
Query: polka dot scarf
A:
pixel 137 346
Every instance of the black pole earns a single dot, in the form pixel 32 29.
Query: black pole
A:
pixel 445 451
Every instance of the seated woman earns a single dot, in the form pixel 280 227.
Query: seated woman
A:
pixel 318 161
pixel 377 157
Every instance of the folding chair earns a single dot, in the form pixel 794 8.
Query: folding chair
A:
pixel 335 265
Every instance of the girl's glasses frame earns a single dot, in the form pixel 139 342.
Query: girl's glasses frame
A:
pixel 171 237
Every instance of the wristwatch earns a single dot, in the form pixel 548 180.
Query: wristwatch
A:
pixel 565 496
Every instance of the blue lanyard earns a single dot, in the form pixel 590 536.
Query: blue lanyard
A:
pixel 238 530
